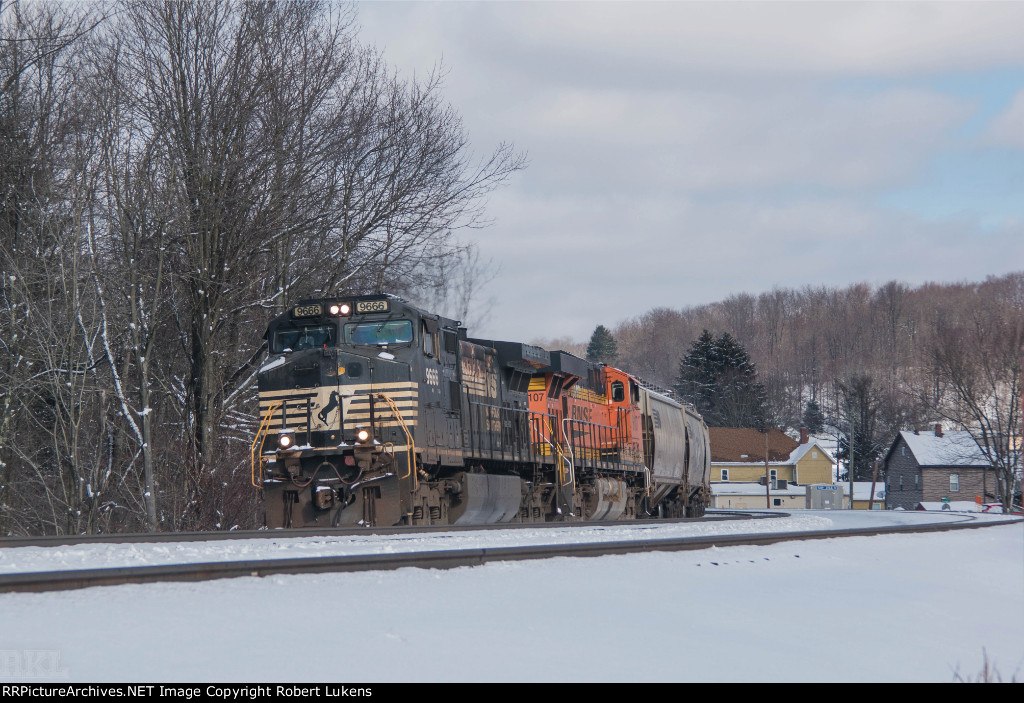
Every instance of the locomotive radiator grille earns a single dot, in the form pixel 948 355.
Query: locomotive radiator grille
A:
pixel 295 408
pixel 316 409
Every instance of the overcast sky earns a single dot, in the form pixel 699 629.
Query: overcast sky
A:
pixel 680 153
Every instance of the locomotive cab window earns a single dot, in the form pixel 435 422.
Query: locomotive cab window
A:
pixel 305 337
pixel 386 332
pixel 428 339
pixel 618 392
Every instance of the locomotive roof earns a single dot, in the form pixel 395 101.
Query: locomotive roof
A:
pixel 397 304
pixel 564 362
pixel 517 355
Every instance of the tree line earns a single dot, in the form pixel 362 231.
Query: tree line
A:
pixel 172 175
pixel 867 360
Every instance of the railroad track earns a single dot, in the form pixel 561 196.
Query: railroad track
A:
pixel 156 537
pixel 85 578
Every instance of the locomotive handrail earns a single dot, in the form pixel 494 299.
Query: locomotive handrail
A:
pixel 558 450
pixel 408 436
pixel 568 438
pixel 261 432
pixel 571 473
pixel 596 443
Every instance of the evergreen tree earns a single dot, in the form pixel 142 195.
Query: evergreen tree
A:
pixel 602 346
pixel 813 419
pixel 718 377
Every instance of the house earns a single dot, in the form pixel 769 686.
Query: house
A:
pixel 737 456
pixel 862 495
pixel 754 496
pixel 925 467
pixel 956 506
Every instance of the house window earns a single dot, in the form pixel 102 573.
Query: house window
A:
pixel 901 483
pixel 917 481
pixel 903 451
pixel 814 454
pixel 725 474
pixel 773 474
pixel 777 501
pixel 954 483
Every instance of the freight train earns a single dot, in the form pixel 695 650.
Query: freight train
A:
pixel 374 412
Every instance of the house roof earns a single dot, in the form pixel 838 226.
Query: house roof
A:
pixel 746 445
pixel 958 506
pixel 802 449
pixel 952 448
pixel 755 489
pixel 862 490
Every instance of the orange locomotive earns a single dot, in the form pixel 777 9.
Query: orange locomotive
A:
pixel 621 439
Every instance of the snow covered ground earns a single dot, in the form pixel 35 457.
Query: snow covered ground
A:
pixel 892 608
pixel 94 556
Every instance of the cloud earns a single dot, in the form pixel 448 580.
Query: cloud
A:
pixel 570 263
pixel 684 152
pixel 775 39
pixel 688 140
pixel 708 39
pixel 1007 128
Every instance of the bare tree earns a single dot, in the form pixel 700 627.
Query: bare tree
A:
pixel 977 361
pixel 51 476
pixel 453 284
pixel 284 160
pixel 168 182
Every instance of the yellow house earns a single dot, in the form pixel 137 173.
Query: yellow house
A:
pixel 738 455
pixel 753 496
pixel 862 495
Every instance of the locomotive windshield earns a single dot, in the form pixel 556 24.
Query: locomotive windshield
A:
pixel 388 332
pixel 305 337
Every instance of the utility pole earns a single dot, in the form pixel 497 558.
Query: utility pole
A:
pixel 849 468
pixel 871 498
pixel 767 479
pixel 1016 463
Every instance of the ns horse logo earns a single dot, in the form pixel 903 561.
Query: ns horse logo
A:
pixel 333 404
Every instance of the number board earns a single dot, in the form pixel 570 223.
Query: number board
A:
pixel 365 306
pixel 307 310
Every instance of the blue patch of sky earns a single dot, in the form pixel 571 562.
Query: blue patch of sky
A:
pixel 964 178
pixel 992 91
pixel 983 185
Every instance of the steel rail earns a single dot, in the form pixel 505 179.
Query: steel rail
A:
pixel 155 537
pixel 36 582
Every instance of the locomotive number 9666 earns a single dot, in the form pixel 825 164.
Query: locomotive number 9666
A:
pixel 365 306
pixel 307 310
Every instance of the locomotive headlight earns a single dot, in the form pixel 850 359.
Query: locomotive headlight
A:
pixel 286 439
pixel 335 309
pixel 339 309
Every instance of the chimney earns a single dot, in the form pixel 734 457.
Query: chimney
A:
pixel 915 431
pixel 938 430
pixel 803 435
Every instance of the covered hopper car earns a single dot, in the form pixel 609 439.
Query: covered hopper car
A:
pixel 374 412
